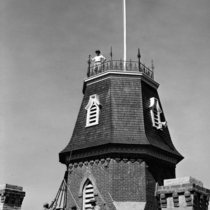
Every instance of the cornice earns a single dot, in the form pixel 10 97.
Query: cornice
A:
pixel 126 151
pixel 122 74
pixel 182 188
pixel 106 161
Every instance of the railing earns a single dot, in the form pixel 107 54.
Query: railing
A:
pixel 120 66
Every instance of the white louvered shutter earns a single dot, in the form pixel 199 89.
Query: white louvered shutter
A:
pixel 88 194
pixel 93 109
pixel 156 117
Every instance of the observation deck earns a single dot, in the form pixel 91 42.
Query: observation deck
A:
pixel 120 65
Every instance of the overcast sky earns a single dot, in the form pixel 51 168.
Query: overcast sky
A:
pixel 44 49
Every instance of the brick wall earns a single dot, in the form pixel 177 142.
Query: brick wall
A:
pixel 114 179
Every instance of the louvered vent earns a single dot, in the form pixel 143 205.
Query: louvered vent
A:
pixel 92 111
pixel 155 113
pixel 93 115
pixel 156 117
pixel 88 194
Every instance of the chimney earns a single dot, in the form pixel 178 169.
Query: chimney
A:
pixel 11 197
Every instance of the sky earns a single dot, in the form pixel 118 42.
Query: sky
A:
pixel 44 47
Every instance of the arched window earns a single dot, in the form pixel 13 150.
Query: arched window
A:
pixel 88 194
pixel 92 111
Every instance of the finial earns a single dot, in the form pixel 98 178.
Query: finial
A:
pixel 89 61
pixel 111 53
pixel 139 55
pixel 152 66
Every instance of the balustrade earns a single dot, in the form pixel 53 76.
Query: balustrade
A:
pixel 119 65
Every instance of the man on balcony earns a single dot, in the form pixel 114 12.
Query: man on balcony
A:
pixel 98 61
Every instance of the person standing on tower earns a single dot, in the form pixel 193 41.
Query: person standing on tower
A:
pixel 98 60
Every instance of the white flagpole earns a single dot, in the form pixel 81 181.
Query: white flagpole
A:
pixel 124 24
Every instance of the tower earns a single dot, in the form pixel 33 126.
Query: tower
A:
pixel 121 146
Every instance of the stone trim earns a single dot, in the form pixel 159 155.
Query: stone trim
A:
pixel 87 176
pixel 182 188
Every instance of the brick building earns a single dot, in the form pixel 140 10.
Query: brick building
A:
pixel 11 197
pixel 121 145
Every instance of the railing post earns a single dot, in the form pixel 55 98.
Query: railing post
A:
pixel 152 67
pixel 139 57
pixel 89 61
pixel 111 63
pixel 121 64
pixel 111 53
pixel 130 65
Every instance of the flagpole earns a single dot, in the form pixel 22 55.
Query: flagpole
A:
pixel 124 24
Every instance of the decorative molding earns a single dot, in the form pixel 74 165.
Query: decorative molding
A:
pixel 114 150
pixel 106 161
pixel 102 160
pixel 88 176
pixel 109 74
pixel 182 188
pixel 125 160
pixel 97 161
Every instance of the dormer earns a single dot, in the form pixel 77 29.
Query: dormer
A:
pixel 155 112
pixel 93 109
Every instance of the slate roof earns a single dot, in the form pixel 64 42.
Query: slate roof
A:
pixel 124 116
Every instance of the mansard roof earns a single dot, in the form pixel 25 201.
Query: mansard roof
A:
pixel 124 115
